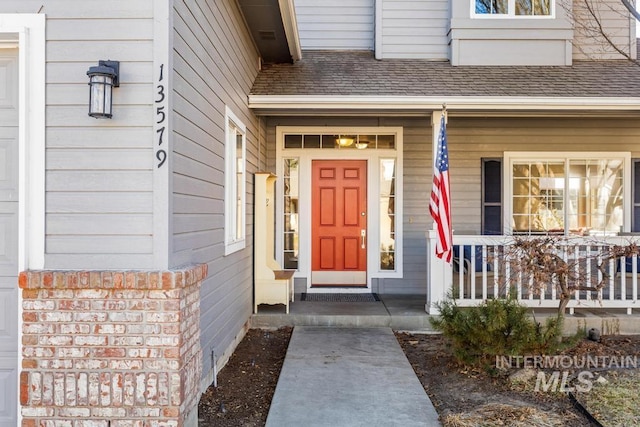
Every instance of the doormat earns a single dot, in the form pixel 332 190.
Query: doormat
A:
pixel 340 297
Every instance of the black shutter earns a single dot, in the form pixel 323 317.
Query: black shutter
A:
pixel 492 196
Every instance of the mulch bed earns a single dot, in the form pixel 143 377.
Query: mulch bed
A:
pixel 247 382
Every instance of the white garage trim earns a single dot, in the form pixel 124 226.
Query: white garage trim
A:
pixel 28 30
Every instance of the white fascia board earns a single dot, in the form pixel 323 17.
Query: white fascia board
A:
pixel 290 23
pixel 277 102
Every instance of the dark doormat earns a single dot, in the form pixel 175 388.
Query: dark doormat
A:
pixel 340 297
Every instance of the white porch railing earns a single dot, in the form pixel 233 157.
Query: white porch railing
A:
pixel 479 271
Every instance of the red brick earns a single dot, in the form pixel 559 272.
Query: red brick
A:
pixel 84 279
pixel 105 389
pixel 29 363
pixel 167 280
pixel 47 280
pixel 154 281
pixel 95 279
pixel 179 279
pixel 23 280
pixel 107 280
pixel 130 280
pixel 29 316
pixel 35 279
pixel 171 305
pixel 60 280
pixel 24 388
pixel 116 389
pixel 171 412
pixel 29 340
pixel 73 281
pixel 142 280
pixel 118 280
pixel 171 353
pixel 30 293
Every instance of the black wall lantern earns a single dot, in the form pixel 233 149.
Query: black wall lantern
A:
pixel 102 79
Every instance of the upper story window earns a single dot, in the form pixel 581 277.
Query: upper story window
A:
pixel 235 178
pixel 514 8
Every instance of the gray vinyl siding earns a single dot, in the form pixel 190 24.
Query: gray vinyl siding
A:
pixel 616 23
pixel 413 29
pixel 215 64
pixel 416 220
pixel 336 24
pixel 98 172
pixel 470 140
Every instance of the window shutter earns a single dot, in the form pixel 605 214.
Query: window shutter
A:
pixel 492 196
pixel 635 189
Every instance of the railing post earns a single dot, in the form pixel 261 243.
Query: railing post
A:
pixel 439 276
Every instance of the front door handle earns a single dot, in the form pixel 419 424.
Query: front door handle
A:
pixel 363 235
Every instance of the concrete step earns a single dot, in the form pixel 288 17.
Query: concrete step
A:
pixel 402 313
pixel 407 313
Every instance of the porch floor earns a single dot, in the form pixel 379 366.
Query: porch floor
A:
pixel 407 313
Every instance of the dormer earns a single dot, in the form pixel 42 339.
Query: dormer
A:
pixel 510 32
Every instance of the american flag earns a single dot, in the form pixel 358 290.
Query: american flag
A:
pixel 440 206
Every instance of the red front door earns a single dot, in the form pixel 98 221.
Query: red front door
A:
pixel 339 223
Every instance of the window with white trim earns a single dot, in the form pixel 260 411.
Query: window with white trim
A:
pixel 575 194
pixel 291 178
pixel 514 8
pixel 387 223
pixel 235 179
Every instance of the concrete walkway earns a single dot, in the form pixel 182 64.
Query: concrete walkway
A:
pixel 343 377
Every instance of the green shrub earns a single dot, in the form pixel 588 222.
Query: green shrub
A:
pixel 497 327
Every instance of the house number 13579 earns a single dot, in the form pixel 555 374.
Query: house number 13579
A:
pixel 161 116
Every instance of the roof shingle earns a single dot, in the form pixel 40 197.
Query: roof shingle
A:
pixel 354 73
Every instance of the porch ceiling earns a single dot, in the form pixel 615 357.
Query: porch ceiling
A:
pixel 355 80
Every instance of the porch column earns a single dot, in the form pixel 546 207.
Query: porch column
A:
pixel 439 273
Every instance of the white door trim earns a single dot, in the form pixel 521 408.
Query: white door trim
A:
pixel 373 157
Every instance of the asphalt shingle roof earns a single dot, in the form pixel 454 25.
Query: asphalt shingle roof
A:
pixel 353 73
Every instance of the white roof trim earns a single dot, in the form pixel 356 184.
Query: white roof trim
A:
pixel 321 102
pixel 290 23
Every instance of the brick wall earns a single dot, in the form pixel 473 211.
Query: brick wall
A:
pixel 111 349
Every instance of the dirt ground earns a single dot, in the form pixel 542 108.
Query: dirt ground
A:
pixel 463 397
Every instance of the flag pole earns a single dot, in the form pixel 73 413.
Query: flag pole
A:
pixel 440 202
pixel 440 239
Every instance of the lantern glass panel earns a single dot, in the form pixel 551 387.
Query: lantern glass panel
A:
pixel 100 101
